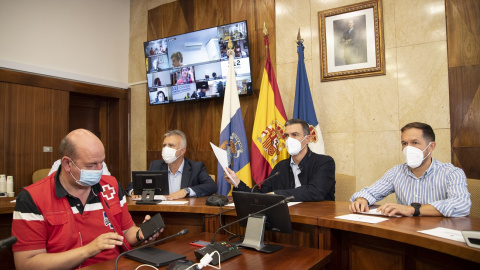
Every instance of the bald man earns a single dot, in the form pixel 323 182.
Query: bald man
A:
pixel 76 217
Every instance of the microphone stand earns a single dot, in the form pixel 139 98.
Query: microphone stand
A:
pixel 8 242
pixel 261 182
pixel 286 200
pixel 182 232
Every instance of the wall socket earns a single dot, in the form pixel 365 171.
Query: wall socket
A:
pixel 47 149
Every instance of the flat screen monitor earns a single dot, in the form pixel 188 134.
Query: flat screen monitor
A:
pixel 194 65
pixel 150 183
pixel 275 219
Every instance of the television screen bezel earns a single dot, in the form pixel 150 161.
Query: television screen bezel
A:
pixel 165 88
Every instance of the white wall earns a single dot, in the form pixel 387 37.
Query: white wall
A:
pixel 84 40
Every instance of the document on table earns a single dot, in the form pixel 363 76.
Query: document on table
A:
pixel 449 234
pixel 362 218
pixel 373 211
pixel 156 198
pixel 221 157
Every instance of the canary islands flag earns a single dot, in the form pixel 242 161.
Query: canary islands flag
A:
pixel 303 106
pixel 268 144
pixel 232 134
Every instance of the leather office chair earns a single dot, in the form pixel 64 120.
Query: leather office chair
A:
pixel 39 174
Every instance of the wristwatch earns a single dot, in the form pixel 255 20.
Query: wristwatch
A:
pixel 417 209
pixel 187 190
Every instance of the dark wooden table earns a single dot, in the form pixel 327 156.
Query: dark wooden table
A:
pixel 395 243
pixel 290 257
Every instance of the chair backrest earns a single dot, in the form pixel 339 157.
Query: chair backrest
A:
pixel 345 186
pixel 474 189
pixel 213 177
pixel 39 174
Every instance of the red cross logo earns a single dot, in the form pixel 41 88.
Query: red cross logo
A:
pixel 108 192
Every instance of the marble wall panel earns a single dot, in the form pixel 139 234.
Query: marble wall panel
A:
pixel 138 127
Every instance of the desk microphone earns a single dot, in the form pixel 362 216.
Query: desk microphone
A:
pixel 286 200
pixel 182 232
pixel 261 182
pixel 7 242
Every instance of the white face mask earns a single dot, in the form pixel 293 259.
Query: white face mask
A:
pixel 87 177
pixel 169 154
pixel 294 146
pixel 414 156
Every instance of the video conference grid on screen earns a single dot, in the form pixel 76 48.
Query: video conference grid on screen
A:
pixel 194 65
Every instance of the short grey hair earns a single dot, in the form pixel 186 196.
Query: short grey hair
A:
pixel 178 133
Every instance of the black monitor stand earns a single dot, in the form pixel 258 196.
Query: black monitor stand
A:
pixel 148 197
pixel 254 235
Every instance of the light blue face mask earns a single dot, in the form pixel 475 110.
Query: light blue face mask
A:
pixel 87 177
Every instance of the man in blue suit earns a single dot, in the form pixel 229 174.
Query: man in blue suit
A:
pixel 186 178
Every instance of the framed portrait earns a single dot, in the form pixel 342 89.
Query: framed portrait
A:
pixel 351 41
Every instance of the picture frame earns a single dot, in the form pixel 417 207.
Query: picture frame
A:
pixel 351 41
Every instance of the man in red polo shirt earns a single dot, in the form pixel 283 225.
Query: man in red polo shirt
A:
pixel 76 217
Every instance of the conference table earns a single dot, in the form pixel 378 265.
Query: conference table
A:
pixel 305 258
pixel 395 243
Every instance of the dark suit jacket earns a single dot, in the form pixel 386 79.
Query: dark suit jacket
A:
pixel 317 178
pixel 194 176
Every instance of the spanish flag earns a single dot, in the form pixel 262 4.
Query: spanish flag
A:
pixel 268 144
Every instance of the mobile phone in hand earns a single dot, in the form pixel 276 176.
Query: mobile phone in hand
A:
pixel 151 226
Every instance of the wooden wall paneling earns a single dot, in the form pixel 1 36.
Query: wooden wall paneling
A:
pixel 35 116
pixel 53 83
pixel 210 13
pixel 201 120
pixel 3 134
pixel 43 104
pixel 59 121
pixel 124 141
pixel 463 40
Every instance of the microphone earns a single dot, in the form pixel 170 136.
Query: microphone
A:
pixel 286 200
pixel 7 242
pixel 261 182
pixel 182 232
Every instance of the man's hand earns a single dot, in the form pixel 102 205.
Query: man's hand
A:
pixel 390 209
pixel 140 233
pixel 359 205
pixel 177 195
pixel 234 176
pixel 104 241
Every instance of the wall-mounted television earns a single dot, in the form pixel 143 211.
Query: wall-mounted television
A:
pixel 194 65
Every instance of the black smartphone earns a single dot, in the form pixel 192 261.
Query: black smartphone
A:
pixel 151 226
pixel 199 243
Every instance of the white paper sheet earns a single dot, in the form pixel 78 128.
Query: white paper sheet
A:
pixel 221 157
pixel 373 211
pixel 362 218
pixel 445 233
pixel 156 198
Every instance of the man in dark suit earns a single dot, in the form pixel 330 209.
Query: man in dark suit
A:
pixel 350 42
pixel 186 178
pixel 307 176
